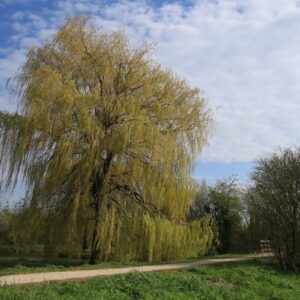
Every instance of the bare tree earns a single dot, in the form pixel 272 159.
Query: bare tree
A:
pixel 276 199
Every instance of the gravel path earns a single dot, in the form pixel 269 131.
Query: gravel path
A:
pixel 82 274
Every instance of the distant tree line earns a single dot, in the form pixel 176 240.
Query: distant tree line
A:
pixel 268 209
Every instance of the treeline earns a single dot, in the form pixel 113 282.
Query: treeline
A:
pixel 217 221
pixel 267 209
pixel 222 218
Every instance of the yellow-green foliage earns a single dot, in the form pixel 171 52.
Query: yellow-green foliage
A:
pixel 104 136
pixel 142 237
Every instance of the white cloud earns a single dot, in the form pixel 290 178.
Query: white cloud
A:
pixel 45 34
pixel 10 64
pixel 19 28
pixel 8 68
pixel 29 42
pixel 243 54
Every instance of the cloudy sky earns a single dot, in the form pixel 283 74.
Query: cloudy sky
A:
pixel 243 55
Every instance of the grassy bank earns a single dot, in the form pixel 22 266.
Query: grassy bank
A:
pixel 251 280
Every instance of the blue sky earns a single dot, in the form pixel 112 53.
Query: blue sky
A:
pixel 243 55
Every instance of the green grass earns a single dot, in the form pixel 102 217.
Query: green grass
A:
pixel 251 280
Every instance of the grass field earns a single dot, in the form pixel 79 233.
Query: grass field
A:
pixel 251 280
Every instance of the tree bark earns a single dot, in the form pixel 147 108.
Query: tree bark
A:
pixel 85 239
pixel 98 195
pixel 95 252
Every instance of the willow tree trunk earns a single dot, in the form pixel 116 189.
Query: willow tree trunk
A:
pixel 97 194
pixel 95 251
pixel 85 238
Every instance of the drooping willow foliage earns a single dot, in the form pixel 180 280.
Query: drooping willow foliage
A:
pixel 105 140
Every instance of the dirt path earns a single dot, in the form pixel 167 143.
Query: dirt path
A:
pixel 81 274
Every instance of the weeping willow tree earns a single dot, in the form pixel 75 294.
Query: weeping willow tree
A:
pixel 105 140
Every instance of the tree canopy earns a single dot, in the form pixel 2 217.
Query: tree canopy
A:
pixel 102 132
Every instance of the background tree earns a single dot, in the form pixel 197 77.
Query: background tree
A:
pixel 227 209
pixel 102 133
pixel 276 199
pixel 225 203
pixel 202 206
pixel 256 221
pixel 6 234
